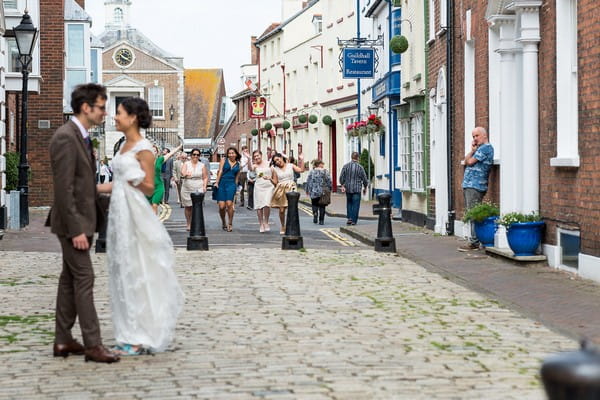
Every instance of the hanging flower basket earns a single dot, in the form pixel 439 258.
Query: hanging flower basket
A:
pixel 399 44
pixel 313 119
pixel 327 120
pixel 286 125
pixel 254 132
pixel 302 118
pixel 268 126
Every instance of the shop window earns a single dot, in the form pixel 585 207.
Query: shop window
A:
pixel 570 245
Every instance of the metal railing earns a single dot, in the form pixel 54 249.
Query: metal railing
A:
pixel 164 137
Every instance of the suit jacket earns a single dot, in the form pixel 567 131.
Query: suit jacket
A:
pixel 73 170
pixel 168 169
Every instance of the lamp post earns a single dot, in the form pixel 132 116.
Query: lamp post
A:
pixel 25 35
pixel 171 112
pixel 373 109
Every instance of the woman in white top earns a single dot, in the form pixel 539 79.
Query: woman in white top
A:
pixel 263 189
pixel 195 179
pixel 283 179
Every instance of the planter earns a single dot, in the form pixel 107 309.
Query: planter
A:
pixel 485 231
pixel 524 237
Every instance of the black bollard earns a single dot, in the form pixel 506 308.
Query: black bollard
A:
pixel 292 240
pixel 102 204
pixel 197 239
pixel 573 375
pixel 385 241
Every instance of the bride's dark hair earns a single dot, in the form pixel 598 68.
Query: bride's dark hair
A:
pixel 138 107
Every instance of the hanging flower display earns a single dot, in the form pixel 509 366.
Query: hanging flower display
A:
pixel 313 119
pixel 286 124
pixel 268 126
pixel 327 120
pixel 374 124
pixel 371 125
pixel 302 118
pixel 254 132
pixel 399 44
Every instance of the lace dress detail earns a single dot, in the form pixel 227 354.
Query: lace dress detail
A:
pixel 145 296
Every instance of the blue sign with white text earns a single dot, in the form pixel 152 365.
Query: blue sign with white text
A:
pixel 358 63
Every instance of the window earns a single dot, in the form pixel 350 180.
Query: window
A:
pixel 431 19
pixel 416 132
pixel 10 4
pixel 404 153
pixel 318 23
pixel 74 78
pixel 13 55
pixel 94 61
pixel 222 114
pixel 570 244
pixel 118 16
pixel 156 101
pixel 75 46
pixel 567 124
pixel 443 14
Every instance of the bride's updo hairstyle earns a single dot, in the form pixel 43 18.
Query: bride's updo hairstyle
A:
pixel 138 107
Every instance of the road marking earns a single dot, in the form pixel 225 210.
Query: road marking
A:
pixel 164 212
pixel 304 208
pixel 333 235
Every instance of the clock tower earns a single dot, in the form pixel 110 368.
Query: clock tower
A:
pixel 117 14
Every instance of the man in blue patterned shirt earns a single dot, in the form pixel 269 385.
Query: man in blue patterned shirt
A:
pixel 352 178
pixel 475 182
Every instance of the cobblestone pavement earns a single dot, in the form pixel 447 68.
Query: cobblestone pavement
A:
pixel 326 324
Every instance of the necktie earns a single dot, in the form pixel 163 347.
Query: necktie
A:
pixel 88 144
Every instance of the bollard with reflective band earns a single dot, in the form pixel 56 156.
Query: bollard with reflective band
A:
pixel 197 239
pixel 292 240
pixel 385 241
pixel 102 206
pixel 573 375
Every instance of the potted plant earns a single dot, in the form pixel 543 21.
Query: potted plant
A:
pixel 254 132
pixel 313 119
pixel 268 126
pixel 523 232
pixel 483 216
pixel 302 118
pixel 286 125
pixel 327 120
pixel 399 44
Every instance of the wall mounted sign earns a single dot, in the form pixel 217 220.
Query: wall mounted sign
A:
pixel 358 63
pixel 258 107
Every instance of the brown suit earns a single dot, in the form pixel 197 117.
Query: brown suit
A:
pixel 74 213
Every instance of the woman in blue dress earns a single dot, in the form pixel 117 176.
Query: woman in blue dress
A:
pixel 226 186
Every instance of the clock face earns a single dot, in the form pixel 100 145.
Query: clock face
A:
pixel 124 57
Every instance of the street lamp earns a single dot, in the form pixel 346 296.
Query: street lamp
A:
pixel 25 35
pixel 172 112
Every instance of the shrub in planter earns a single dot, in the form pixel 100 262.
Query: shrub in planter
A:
pixel 313 119
pixel 12 170
pixel 268 126
pixel 254 132
pixel 302 118
pixel 399 44
pixel 483 216
pixel 364 160
pixel 327 120
pixel 286 125
pixel 523 232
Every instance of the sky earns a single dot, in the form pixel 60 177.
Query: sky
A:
pixel 206 33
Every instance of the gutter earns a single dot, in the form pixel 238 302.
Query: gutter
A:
pixel 450 113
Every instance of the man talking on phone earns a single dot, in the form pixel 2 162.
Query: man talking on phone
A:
pixel 475 182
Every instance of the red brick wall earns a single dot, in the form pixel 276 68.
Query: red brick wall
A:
pixel 570 195
pixel 241 125
pixel 48 104
pixel 479 32
pixel 81 3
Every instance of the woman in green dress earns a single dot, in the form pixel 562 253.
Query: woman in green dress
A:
pixel 159 187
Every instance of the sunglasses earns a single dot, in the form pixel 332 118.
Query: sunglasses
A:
pixel 195 154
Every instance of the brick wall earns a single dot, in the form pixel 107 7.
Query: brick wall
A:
pixel 81 3
pixel 48 104
pixel 570 195
pixel 242 125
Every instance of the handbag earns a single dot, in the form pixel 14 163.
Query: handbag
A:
pixel 325 198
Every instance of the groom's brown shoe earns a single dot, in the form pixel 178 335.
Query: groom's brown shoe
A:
pixel 100 354
pixel 63 350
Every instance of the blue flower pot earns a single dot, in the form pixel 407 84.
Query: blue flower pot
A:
pixel 524 237
pixel 485 231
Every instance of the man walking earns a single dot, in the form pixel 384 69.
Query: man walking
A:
pixel 166 173
pixel 352 178
pixel 73 219
pixel 475 182
pixel 243 176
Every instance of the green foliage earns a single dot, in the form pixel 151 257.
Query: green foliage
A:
pixel 364 156
pixel 399 44
pixel 286 125
pixel 302 118
pixel 254 132
pixel 95 143
pixel 515 217
pixel 313 119
pixel 268 126
pixel 12 170
pixel 481 211
pixel 327 120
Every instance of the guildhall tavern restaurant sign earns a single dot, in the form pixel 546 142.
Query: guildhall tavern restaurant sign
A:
pixel 358 63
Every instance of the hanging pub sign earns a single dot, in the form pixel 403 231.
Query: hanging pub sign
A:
pixel 358 63
pixel 296 124
pixel 258 107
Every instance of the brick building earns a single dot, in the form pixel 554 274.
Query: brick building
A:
pixel 537 97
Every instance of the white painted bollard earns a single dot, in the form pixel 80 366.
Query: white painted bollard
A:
pixel 14 215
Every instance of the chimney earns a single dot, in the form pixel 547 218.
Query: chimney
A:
pixel 253 51
pixel 81 3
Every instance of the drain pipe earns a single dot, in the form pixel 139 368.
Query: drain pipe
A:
pixel 450 113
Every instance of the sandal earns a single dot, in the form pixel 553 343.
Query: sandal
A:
pixel 229 228
pixel 225 227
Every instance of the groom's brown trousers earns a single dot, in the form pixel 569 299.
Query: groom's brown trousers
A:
pixel 76 296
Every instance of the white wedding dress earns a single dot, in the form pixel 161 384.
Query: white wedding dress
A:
pixel 145 295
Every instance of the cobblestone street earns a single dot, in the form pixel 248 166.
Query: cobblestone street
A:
pixel 284 325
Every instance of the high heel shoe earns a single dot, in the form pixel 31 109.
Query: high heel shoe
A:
pixel 282 230
pixel 262 228
pixel 267 227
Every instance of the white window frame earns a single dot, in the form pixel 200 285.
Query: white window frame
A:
pixel 10 4
pixel 562 265
pixel 567 112
pixel 416 137
pixel 118 16
pixel 443 15
pixel 431 20
pixel 156 105
pixel 404 153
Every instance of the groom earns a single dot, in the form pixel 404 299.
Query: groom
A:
pixel 73 220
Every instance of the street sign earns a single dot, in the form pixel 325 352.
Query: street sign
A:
pixel 221 146
pixel 358 63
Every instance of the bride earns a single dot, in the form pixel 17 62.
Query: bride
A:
pixel 145 295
